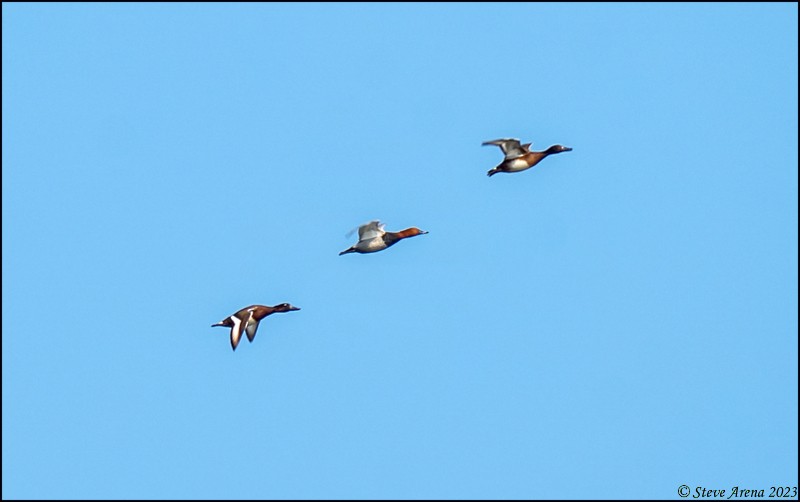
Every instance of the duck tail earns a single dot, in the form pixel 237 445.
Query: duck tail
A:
pixel 492 172
pixel 221 323
pixel 351 249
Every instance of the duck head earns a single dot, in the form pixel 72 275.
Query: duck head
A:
pixel 411 232
pixel 285 307
pixel 558 149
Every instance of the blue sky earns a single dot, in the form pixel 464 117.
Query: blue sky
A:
pixel 616 322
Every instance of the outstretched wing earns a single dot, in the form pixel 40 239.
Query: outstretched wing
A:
pixel 236 331
pixel 370 230
pixel 510 146
pixel 250 329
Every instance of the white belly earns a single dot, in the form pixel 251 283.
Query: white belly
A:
pixel 517 165
pixel 371 245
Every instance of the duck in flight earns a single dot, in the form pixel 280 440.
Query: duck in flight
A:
pixel 520 157
pixel 372 237
pixel 247 320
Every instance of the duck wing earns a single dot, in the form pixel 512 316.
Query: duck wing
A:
pixel 250 329
pixel 370 230
pixel 236 331
pixel 510 147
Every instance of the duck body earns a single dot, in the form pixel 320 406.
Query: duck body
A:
pixel 246 320
pixel 520 157
pixel 372 238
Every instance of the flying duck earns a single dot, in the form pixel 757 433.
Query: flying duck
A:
pixel 372 237
pixel 520 157
pixel 247 320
